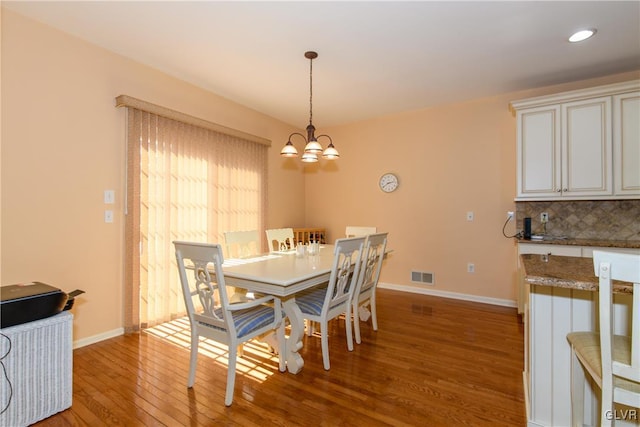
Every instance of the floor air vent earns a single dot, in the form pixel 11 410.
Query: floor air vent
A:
pixel 422 277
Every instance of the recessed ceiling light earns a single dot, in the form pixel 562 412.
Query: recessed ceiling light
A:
pixel 581 35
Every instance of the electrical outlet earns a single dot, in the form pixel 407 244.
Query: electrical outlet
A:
pixel 509 215
pixel 471 268
pixel 544 217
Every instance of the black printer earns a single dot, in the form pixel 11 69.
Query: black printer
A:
pixel 26 302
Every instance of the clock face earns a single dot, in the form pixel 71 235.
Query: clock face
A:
pixel 388 182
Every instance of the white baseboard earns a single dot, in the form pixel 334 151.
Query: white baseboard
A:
pixel 452 295
pixel 97 338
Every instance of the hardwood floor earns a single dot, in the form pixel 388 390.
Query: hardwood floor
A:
pixel 433 362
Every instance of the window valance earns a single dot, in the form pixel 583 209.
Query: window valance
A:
pixel 129 101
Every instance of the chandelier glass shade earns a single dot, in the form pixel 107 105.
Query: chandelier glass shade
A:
pixel 312 148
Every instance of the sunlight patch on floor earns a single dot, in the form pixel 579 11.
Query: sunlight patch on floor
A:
pixel 256 361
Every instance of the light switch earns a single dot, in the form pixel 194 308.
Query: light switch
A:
pixel 470 216
pixel 109 197
pixel 108 216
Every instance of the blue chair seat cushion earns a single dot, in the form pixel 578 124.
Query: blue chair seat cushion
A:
pixel 311 301
pixel 251 319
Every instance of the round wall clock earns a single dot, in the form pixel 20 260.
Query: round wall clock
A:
pixel 388 182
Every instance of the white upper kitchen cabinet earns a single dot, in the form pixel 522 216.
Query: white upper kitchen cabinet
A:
pixel 579 145
pixel 626 144
pixel 587 159
pixel 539 151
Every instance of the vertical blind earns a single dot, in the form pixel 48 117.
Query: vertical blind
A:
pixel 184 182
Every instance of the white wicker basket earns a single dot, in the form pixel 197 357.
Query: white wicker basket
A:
pixel 39 368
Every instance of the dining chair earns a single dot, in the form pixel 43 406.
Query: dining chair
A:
pixel 612 361
pixel 213 316
pixel 324 303
pixel 365 292
pixel 277 239
pixel 357 231
pixel 242 244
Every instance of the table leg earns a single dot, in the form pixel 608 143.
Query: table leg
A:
pixel 294 342
pixel 364 313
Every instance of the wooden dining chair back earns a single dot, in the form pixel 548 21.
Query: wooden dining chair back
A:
pixel 212 316
pixel 365 292
pixel 613 361
pixel 242 244
pixel 357 231
pixel 280 239
pixel 324 303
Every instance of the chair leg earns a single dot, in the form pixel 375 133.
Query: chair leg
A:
pixel 193 359
pixel 374 316
pixel 324 339
pixel 577 391
pixel 231 375
pixel 356 323
pixel 606 417
pixel 347 325
pixel 606 404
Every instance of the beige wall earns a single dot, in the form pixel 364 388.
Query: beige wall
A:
pixel 63 145
pixel 450 160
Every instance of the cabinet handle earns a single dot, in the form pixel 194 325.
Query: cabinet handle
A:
pixel 565 189
pixel 559 190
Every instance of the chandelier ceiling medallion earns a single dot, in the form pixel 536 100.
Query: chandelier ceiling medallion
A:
pixel 312 148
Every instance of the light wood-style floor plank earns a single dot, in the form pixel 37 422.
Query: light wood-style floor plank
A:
pixel 433 362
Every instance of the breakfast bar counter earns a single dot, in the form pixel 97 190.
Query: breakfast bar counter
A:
pixel 565 272
pixel 594 243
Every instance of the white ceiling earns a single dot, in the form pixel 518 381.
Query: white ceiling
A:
pixel 375 58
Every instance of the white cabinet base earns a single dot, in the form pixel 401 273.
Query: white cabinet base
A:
pixel 553 313
pixel 549 314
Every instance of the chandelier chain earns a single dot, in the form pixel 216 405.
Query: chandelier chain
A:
pixel 311 91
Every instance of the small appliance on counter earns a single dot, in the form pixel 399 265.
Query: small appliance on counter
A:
pixel 527 228
pixel 26 302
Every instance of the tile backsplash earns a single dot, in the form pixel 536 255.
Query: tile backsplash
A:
pixel 584 219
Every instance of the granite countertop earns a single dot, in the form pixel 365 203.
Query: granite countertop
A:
pixel 551 240
pixel 565 272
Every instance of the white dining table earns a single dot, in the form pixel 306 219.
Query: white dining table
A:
pixel 283 274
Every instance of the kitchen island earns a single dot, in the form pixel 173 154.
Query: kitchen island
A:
pixel 561 298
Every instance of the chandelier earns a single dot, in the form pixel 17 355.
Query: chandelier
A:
pixel 312 148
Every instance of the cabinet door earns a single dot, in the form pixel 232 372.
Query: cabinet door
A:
pixel 587 148
pixel 538 151
pixel 626 144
